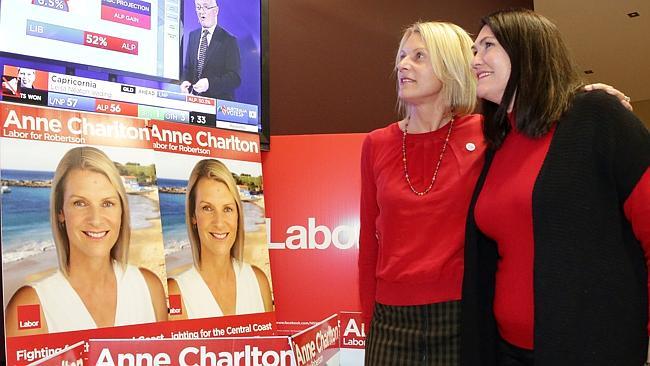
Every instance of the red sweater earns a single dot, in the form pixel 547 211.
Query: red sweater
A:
pixel 504 213
pixel 411 247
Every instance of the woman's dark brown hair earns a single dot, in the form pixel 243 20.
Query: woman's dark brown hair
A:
pixel 543 78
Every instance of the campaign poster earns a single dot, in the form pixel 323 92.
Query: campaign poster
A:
pixel 107 220
pixel 215 157
pixel 41 241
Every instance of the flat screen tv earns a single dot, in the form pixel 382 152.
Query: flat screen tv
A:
pixel 138 42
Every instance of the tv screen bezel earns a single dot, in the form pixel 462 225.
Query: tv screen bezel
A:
pixel 265 125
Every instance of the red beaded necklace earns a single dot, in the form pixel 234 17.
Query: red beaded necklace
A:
pixel 435 172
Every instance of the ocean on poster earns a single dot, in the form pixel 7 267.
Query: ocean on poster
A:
pixel 26 215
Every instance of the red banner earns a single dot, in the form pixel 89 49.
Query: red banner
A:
pixel 23 350
pixel 354 330
pixel 312 187
pixel 268 351
pixel 58 125
pixel 318 344
pixel 210 142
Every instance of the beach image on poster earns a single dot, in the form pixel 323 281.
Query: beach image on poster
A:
pixel 215 236
pixel 81 234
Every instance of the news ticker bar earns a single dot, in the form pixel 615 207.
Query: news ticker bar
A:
pixel 73 92
pixel 88 104
pixel 79 86
pixel 224 110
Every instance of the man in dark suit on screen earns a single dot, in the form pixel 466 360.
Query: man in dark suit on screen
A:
pixel 212 63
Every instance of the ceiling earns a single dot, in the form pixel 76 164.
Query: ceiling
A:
pixel 604 39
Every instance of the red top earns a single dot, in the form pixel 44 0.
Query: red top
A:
pixel 504 213
pixel 411 247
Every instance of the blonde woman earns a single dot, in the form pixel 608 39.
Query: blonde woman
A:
pixel 94 287
pixel 220 282
pixel 417 180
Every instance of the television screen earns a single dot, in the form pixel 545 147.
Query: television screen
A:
pixel 77 34
pixel 131 36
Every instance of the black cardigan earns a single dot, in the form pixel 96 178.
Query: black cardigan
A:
pixel 590 277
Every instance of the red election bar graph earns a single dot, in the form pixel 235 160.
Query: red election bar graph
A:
pixel 110 43
pixel 85 38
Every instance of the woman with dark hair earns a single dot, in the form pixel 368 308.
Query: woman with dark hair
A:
pixel 558 232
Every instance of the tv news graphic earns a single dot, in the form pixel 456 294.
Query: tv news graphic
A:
pixel 90 95
pixel 129 36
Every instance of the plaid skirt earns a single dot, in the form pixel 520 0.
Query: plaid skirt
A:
pixel 414 335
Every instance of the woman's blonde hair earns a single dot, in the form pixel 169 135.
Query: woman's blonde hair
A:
pixel 94 160
pixel 450 51
pixel 215 170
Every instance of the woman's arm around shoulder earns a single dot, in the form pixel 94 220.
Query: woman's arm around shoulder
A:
pixel 265 289
pixel 25 295
pixel 623 99
pixel 157 294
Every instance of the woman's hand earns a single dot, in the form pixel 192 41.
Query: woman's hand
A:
pixel 624 99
